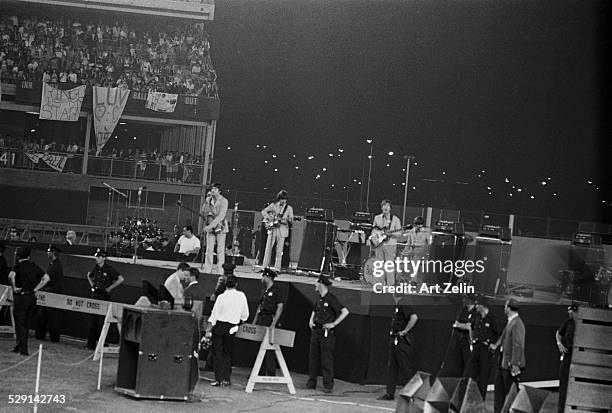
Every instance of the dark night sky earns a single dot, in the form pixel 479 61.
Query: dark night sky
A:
pixel 515 88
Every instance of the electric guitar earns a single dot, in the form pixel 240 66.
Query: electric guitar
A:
pixel 274 220
pixel 271 221
pixel 380 235
pixel 208 218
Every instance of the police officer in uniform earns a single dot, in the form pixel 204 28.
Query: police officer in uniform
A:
pixel 459 353
pixel 51 282
pixel 565 341
pixel 401 345
pixel 485 331
pixel 268 314
pixel 103 279
pixel 24 278
pixel 325 317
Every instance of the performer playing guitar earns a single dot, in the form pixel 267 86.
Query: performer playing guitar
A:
pixel 277 217
pixel 390 225
pixel 215 206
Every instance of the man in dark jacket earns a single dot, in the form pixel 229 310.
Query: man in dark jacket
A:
pixel 51 282
pixel 24 278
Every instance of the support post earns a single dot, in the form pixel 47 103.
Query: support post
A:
pixel 86 146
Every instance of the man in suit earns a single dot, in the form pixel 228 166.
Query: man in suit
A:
pixel 215 207
pixel 512 354
pixel 283 212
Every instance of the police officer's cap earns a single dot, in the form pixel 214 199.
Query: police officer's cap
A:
pixel 324 280
pixel 269 272
pixel 54 249
pixel 100 253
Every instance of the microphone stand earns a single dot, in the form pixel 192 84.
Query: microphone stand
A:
pixel 109 214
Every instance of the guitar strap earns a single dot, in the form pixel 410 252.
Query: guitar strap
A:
pixel 284 209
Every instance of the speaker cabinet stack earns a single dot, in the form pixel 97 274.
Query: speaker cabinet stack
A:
pixel 493 248
pixel 312 244
pixel 448 243
pixel 156 354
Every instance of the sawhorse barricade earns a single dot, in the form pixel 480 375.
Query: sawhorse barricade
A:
pixel 112 316
pixel 111 312
pixel 279 338
pixel 6 304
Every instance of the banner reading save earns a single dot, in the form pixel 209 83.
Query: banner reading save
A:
pixel 161 102
pixel 108 105
pixel 57 104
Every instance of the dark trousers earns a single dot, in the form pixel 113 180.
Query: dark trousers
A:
pixel 480 367
pixel 222 342
pixel 564 369
pixel 96 321
pixel 399 363
pixel 503 382
pixel 25 304
pixel 47 319
pixel 458 355
pixel 269 365
pixel 321 355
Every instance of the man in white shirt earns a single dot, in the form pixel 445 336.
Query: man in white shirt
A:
pixel 229 310
pixel 188 243
pixel 174 283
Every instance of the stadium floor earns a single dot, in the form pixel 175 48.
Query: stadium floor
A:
pixel 69 370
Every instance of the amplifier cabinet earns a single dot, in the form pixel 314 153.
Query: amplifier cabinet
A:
pixel 313 244
pixel 156 354
pixel 495 254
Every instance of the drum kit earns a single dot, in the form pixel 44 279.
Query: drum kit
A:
pixel 600 288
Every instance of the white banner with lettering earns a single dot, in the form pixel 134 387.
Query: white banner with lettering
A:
pixel 108 105
pixel 161 102
pixel 64 105
pixel 56 162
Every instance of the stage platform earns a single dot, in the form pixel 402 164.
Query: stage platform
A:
pixel 362 339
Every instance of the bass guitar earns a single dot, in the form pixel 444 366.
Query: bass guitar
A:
pixel 208 218
pixel 379 235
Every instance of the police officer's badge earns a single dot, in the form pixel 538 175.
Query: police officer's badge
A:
pixel 325 305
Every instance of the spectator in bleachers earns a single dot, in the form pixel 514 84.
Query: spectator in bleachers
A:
pixel 71 54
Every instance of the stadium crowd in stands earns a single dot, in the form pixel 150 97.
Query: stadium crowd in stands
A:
pixel 9 142
pixel 172 60
pixel 177 166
